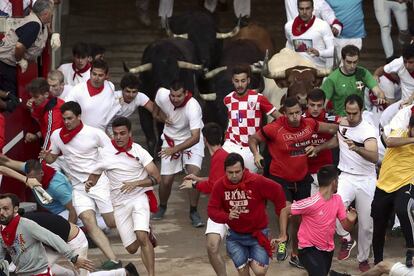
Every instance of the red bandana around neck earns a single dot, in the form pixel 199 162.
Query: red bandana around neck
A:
pixel 48 174
pixel 186 99
pixel 299 27
pixel 93 91
pixel 123 149
pixel 67 135
pixel 8 233
pixel 241 185
pixel 79 72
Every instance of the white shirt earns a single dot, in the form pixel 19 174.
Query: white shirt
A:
pixel 126 109
pixel 97 111
pixel 184 119
pixel 81 153
pixel 121 168
pixel 66 90
pixel 321 9
pixel 350 161
pixel 68 73
pixel 401 119
pixel 406 80
pixel 318 36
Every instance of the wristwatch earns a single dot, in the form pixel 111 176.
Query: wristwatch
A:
pixel 74 259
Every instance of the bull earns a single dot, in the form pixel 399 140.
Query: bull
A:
pixel 294 75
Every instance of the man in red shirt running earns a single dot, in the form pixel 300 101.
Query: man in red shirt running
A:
pixel 316 111
pixel 288 138
pixel 213 138
pixel 239 200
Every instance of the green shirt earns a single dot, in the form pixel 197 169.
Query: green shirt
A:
pixel 338 87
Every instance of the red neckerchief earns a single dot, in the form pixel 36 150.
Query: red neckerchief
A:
pixel 79 72
pixel 411 74
pixel 8 233
pixel 48 174
pixel 67 135
pixel 93 91
pixel 123 149
pixel 299 26
pixel 186 99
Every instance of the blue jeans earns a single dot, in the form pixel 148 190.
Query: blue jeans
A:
pixel 242 248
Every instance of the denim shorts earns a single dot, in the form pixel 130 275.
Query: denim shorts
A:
pixel 243 248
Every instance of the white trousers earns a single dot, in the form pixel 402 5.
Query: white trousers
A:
pixel 241 7
pixel 383 10
pixel 360 188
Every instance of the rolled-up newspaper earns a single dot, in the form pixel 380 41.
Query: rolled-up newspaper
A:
pixel 42 195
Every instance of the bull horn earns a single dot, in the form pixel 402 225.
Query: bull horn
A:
pixel 266 71
pixel 189 65
pixel 208 97
pixel 255 69
pixel 232 33
pixel 214 72
pixel 323 72
pixel 140 69
pixel 170 33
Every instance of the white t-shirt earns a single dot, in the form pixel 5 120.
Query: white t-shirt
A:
pixel 318 36
pixel 350 161
pixel 81 153
pixel 184 119
pixel 126 109
pixel 66 90
pixel 68 73
pixel 401 119
pixel 98 110
pixel 406 80
pixel 121 168
pixel 321 9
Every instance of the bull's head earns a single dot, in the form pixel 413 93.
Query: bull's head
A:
pixel 232 33
pixel 148 66
pixel 299 79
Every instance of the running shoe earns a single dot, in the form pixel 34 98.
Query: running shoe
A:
pixel 364 266
pixel 196 220
pixel 109 265
pixel 346 247
pixel 131 269
pixel 294 261
pixel 159 215
pixel 281 253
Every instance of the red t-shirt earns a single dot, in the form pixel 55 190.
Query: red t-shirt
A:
pixel 250 196
pixel 287 147
pixel 324 157
pixel 216 171
pixel 41 114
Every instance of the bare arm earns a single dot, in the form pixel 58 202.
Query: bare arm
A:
pixel 10 163
pixel 332 143
pixel 48 156
pixel 393 142
pixel 349 222
pixel 92 179
pixel 153 175
pixel 328 128
pixel 156 112
pixel 20 49
pixel 379 72
pixel 275 114
pixel 369 151
pixel 254 142
pixel 283 223
pixel 73 217
pixel 29 182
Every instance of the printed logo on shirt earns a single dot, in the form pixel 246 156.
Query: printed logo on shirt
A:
pixel 252 104
pixel 238 199
pixel 360 85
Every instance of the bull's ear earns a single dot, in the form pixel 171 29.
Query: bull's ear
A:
pixel 282 83
pixel 317 82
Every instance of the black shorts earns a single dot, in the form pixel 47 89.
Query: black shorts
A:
pixel 295 190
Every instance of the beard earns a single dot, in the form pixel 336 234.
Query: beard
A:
pixel 5 220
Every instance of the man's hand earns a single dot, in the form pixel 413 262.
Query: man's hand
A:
pixel 43 154
pixel 311 151
pixel 4 159
pixel 187 184
pixel 88 185
pixel 29 104
pixel 30 137
pixel 258 160
pixel 281 238
pixel 167 152
pixel 23 64
pixel 234 213
pixel 352 215
pixel 85 264
pixel 32 182
pixel 313 51
pixel 55 41
pixel 351 145
pixel 128 187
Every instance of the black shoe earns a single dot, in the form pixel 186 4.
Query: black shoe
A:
pixel 131 269
pixel 294 261
pixel 334 273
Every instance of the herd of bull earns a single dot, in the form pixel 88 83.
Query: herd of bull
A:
pixel 203 58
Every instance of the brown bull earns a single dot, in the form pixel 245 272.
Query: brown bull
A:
pixel 259 35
